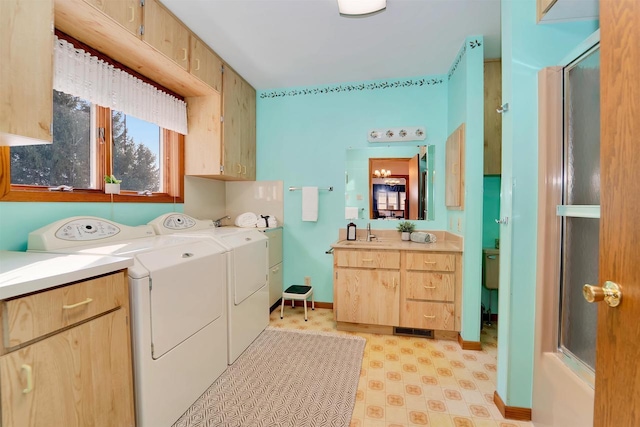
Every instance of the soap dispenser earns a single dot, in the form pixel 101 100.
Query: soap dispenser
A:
pixel 351 231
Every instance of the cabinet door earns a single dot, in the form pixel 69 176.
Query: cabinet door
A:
pixel 26 74
pixel 127 13
pixel 166 33
pixel 275 283
pixel 79 377
pixel 202 145
pixel 492 120
pixel 239 126
pixel 368 296
pixel 205 64
pixel 454 169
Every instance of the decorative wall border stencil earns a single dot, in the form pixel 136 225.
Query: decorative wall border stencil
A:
pixel 472 44
pixel 353 87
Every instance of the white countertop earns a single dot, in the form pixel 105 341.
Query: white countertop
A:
pixel 25 272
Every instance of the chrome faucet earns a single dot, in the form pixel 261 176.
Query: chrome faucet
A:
pixel 370 236
pixel 218 222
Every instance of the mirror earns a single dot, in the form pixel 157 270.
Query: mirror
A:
pixel 391 182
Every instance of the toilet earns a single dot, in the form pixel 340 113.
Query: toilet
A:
pixel 490 273
pixel 491 268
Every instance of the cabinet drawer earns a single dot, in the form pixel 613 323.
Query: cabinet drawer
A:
pixel 275 245
pixel 32 316
pixel 430 261
pixel 430 286
pixel 275 283
pixel 428 315
pixel 367 259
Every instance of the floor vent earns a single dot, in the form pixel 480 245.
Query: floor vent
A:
pixel 412 332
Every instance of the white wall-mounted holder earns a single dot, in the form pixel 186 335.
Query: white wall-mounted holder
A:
pixel 411 133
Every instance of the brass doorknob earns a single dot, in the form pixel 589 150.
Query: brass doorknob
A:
pixel 610 293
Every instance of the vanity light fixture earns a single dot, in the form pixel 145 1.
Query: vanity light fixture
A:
pixel 410 133
pixel 360 7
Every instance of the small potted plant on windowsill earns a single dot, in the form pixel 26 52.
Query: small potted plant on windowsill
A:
pixel 406 228
pixel 111 184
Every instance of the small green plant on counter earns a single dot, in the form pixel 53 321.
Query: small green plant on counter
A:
pixel 406 226
pixel 111 179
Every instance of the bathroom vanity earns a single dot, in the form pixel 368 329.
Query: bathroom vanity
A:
pixel 388 283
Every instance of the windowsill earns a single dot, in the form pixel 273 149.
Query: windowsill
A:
pixel 94 196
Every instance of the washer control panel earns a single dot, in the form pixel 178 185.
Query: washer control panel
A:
pixel 86 229
pixel 178 222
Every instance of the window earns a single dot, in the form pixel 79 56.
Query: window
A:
pixel 91 141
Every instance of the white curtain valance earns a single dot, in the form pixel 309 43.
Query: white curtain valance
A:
pixel 78 73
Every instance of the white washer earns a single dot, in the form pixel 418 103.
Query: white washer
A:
pixel 178 311
pixel 247 279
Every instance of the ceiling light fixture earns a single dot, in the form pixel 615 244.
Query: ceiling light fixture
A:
pixel 360 7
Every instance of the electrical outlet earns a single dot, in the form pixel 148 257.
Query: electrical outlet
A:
pixel 307 280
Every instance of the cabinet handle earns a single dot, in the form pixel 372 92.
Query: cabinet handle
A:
pixel 78 304
pixel 394 282
pixel 244 170
pixel 275 270
pixel 239 168
pixel 29 372
pixel 430 262
pixel 429 287
pixel 367 259
pixel 133 14
pixel 429 317
pixel 197 64
pixel 184 58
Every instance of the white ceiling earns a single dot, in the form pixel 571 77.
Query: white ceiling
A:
pixel 285 43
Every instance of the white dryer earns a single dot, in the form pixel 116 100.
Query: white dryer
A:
pixel 247 279
pixel 178 308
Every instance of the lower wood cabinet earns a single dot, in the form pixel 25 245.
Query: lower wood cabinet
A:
pixel 78 376
pixel 412 289
pixel 367 296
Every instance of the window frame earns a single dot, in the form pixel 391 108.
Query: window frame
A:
pixel 173 162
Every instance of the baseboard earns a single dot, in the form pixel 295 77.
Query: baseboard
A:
pixel 469 345
pixel 511 412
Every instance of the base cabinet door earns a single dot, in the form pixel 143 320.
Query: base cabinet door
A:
pixel 368 296
pixel 79 377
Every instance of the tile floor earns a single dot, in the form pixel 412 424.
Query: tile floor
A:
pixel 407 381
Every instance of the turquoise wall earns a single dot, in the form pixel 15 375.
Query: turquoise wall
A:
pixel 302 138
pixel 17 220
pixel 526 48
pixel 466 105
pixel 490 230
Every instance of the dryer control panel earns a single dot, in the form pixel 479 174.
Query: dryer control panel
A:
pixel 87 229
pixel 177 222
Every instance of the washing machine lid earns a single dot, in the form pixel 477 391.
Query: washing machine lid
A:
pixel 187 291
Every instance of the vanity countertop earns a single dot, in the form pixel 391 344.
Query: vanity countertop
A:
pixel 26 272
pixel 390 240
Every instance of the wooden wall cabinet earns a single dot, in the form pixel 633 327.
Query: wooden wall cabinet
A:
pixel 454 169
pixel 205 64
pixel 166 33
pixel 203 145
pixel 26 71
pixel 492 120
pixel 238 127
pixel 127 13
pixel 412 289
pixel 68 366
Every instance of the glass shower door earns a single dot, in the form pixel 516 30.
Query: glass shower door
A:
pixel 580 213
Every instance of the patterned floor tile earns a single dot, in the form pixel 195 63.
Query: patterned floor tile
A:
pixel 407 381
